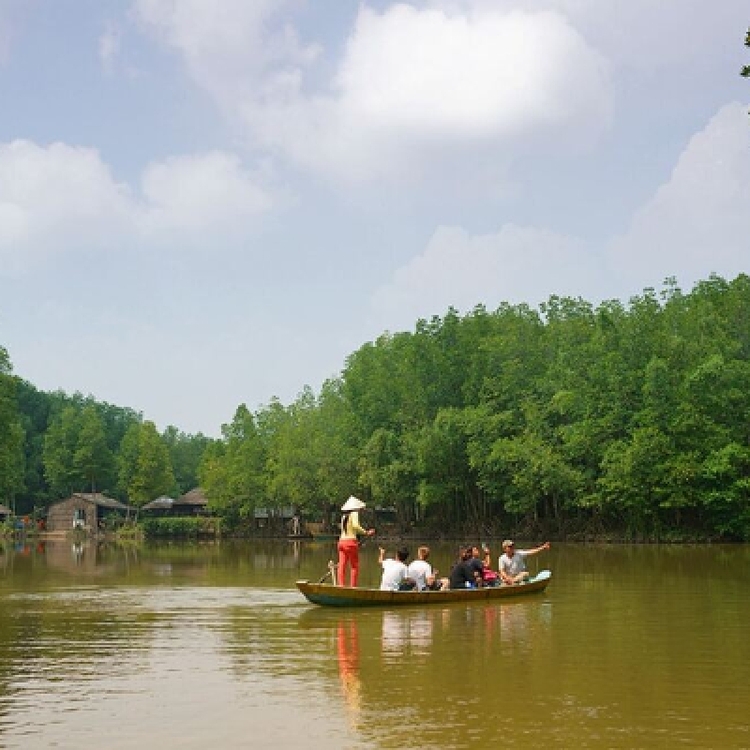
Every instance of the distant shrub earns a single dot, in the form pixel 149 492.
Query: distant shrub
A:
pixel 192 526
pixel 129 531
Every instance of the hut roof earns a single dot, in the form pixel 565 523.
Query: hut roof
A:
pixel 101 500
pixel 194 497
pixel 160 503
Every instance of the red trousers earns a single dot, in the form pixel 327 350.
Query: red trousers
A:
pixel 348 555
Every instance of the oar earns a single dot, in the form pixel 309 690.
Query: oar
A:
pixel 331 572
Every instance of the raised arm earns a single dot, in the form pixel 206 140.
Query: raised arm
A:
pixel 381 555
pixel 358 528
pixel 538 549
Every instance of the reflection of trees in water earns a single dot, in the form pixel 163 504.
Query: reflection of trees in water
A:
pixel 671 564
pixel 5 557
pixel 89 558
pixel 195 561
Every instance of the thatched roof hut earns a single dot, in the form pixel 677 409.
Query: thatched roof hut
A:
pixel 161 503
pixel 190 504
pixel 82 510
pixel 195 497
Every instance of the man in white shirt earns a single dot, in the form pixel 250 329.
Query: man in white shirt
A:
pixel 512 563
pixel 394 571
pixel 420 571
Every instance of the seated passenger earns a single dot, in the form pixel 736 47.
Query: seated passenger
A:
pixel 512 562
pixel 394 571
pixel 463 574
pixel 480 566
pixel 421 572
pixel 481 563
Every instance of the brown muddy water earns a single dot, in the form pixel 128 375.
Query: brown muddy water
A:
pixel 211 646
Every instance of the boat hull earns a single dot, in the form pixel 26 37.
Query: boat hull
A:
pixel 328 595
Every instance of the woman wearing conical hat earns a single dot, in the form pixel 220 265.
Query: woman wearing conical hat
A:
pixel 348 544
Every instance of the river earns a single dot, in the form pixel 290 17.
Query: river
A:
pixel 210 646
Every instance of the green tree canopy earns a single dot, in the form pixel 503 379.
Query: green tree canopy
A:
pixel 12 461
pixel 145 468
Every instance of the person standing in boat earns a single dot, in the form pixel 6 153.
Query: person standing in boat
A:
pixel 512 563
pixel 348 546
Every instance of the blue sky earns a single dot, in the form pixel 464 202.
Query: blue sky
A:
pixel 207 204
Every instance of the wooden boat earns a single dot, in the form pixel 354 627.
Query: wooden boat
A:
pixel 345 596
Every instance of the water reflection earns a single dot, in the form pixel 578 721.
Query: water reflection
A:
pixel 209 563
pixel 209 645
pixel 347 651
pixel 419 666
pixel 406 632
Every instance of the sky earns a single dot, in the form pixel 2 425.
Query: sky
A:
pixel 208 204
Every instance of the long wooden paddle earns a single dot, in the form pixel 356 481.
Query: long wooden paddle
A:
pixel 331 572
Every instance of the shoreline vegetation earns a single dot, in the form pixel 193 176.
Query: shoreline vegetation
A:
pixel 213 529
pixel 137 535
pixel 621 422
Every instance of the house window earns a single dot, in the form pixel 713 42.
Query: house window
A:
pixel 79 518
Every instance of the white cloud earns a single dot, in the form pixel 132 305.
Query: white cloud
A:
pixel 412 88
pixel 699 221
pixel 425 72
pixel 228 47
pixel 696 224
pixel 60 199
pixel 195 192
pixel 637 34
pixel 516 264
pixel 54 197
pixel 417 90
